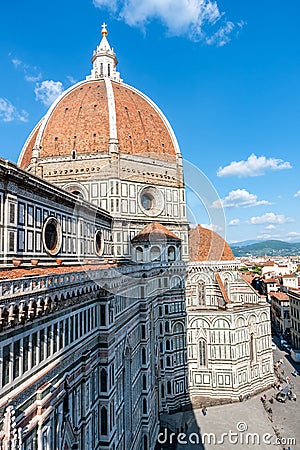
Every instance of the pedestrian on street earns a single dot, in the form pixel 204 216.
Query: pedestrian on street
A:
pixel 204 410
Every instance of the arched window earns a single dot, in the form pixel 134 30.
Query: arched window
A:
pixel 78 194
pixel 171 253
pixel 162 390
pixel 143 356
pixel 166 309
pixel 201 293
pixel 144 406
pixel 252 348
pixel 176 282
pixel 101 69
pixel 168 347
pixel 145 443
pixel 103 381
pixel 179 336
pixel 108 70
pixel 160 328
pixel 155 254
pixel 104 421
pixel 168 361
pixel 226 285
pixel 162 363
pixel 167 327
pixel 139 254
pixel 202 353
pixel 169 388
pixel 161 347
pixel 144 382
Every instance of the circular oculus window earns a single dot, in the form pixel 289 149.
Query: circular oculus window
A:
pixel 151 201
pixel 52 236
pixel 99 243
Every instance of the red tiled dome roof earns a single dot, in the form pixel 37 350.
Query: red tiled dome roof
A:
pixel 155 231
pixel 206 245
pixel 91 113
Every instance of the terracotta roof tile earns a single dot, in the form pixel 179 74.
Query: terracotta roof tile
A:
pixel 269 280
pixel 206 245
pixel 281 296
pixel 155 231
pixel 45 271
pixel 248 277
pixel 140 128
pixel 80 121
pixel 222 288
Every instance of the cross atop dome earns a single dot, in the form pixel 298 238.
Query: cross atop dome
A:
pixel 104 60
pixel 104 31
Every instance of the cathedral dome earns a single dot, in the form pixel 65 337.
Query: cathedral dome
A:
pixel 206 245
pixel 98 113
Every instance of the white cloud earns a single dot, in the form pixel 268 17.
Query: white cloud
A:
pixel 268 236
pixel 234 222
pixel 222 36
pixel 47 91
pixel 16 62
pixel 270 227
pixel 31 73
pixel 293 234
pixel 271 218
pixel 253 166
pixel 198 19
pixel 297 194
pixel 212 227
pixel 71 79
pixel 33 78
pixel 8 112
pixel 110 4
pixel 239 198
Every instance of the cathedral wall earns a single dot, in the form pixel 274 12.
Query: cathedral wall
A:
pixel 41 223
pixel 84 361
pixel 118 185
pixel 228 338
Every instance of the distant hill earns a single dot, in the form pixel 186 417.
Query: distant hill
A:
pixel 270 248
pixel 244 243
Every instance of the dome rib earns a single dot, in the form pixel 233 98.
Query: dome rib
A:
pixel 30 143
pixel 90 114
pixel 111 109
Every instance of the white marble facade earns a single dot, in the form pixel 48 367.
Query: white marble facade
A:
pixel 228 336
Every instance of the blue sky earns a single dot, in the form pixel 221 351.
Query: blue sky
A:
pixel 226 74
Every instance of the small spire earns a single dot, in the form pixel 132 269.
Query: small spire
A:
pixel 104 31
pixel 104 60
